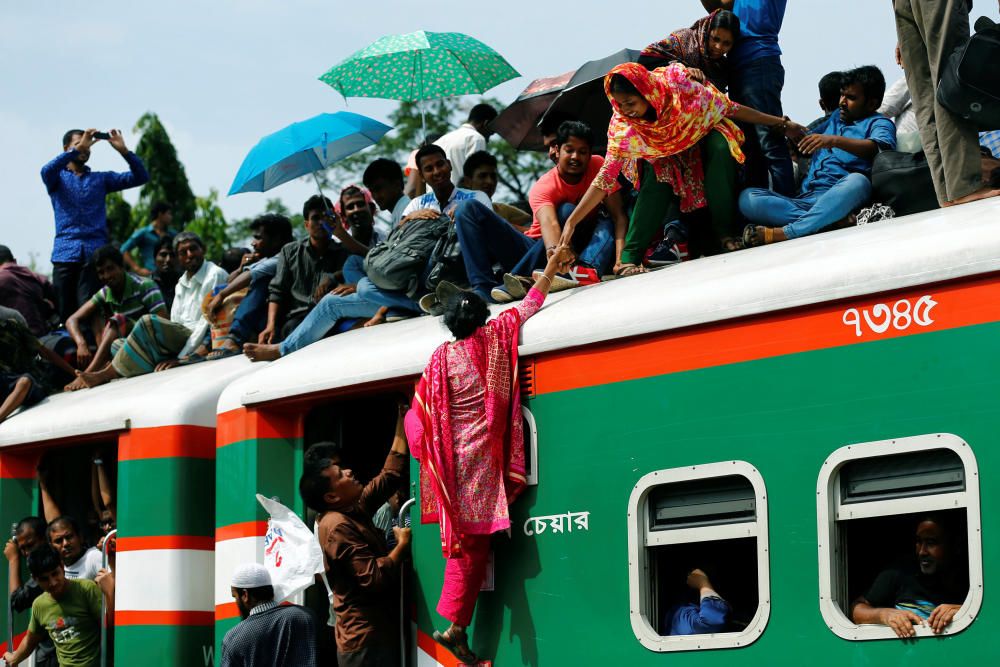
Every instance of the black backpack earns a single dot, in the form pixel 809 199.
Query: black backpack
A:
pixel 903 181
pixel 970 83
pixel 398 262
pixel 446 261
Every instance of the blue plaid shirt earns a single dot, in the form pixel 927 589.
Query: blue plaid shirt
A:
pixel 78 203
pixel 991 140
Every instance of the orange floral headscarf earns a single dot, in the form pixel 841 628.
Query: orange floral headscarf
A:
pixel 686 111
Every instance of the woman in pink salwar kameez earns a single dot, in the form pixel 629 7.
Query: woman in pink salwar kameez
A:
pixel 465 427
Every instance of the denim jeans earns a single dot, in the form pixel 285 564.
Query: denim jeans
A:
pixel 486 238
pixel 354 269
pixel 251 315
pixel 372 293
pixel 593 240
pixel 758 84
pixel 328 312
pixel 808 213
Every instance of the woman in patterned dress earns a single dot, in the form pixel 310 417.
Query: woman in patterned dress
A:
pixel 465 427
pixel 671 135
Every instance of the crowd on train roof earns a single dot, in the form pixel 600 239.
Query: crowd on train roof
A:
pixel 699 161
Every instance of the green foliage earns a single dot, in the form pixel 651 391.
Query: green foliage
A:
pixel 119 214
pixel 518 170
pixel 167 180
pixel 210 224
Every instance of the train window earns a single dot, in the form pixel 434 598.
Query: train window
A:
pixel 711 517
pixel 530 447
pixel 75 487
pixel 871 500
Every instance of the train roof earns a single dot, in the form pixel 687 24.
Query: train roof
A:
pixel 180 396
pixel 923 248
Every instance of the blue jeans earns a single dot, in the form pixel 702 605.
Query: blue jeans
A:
pixel 808 213
pixel 758 84
pixel 372 293
pixel 251 315
pixel 328 312
pixel 486 238
pixel 593 240
pixel 354 269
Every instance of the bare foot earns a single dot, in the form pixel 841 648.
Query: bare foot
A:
pixel 378 318
pixel 259 352
pixel 76 384
pixel 100 377
pixel 982 193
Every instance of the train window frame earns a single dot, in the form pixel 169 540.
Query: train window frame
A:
pixel 639 566
pixel 530 446
pixel 829 513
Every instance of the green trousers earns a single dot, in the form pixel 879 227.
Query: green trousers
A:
pixel 658 204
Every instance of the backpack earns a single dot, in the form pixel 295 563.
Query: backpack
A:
pixel 970 83
pixel 903 181
pixel 446 261
pixel 398 262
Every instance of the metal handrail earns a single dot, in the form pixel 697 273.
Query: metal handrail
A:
pixel 104 600
pixel 405 507
pixel 10 602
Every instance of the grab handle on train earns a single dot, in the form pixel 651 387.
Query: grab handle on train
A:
pixel 10 602
pixel 104 601
pixel 403 509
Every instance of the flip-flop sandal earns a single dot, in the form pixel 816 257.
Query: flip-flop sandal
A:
pixel 629 270
pixel 222 353
pixel 460 651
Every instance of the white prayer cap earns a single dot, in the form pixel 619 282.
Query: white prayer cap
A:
pixel 251 575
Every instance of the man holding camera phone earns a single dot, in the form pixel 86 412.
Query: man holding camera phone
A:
pixel 77 195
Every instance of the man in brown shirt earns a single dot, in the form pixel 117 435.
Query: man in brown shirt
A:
pixel 363 572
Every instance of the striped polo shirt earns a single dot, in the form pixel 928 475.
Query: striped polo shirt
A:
pixel 141 296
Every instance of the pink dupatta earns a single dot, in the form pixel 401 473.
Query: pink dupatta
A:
pixel 428 425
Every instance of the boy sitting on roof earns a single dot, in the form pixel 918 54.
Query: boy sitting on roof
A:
pixel 124 298
pixel 838 181
pixel 480 173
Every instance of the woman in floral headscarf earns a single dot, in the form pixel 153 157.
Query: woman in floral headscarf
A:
pixel 702 47
pixel 673 137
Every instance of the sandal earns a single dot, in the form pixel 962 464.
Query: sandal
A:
pixel 626 270
pixel 458 648
pixel 732 244
pixel 754 236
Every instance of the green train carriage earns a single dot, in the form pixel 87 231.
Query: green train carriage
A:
pixel 781 416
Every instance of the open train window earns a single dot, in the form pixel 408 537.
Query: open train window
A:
pixel 712 517
pixel 871 499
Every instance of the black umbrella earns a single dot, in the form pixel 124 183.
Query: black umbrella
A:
pixel 518 123
pixel 584 98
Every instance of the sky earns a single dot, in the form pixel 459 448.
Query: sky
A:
pixel 222 74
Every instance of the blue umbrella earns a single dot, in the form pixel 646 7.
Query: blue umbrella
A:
pixel 305 148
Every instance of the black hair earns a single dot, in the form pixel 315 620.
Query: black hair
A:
pixel 313 484
pixel 260 593
pixel 274 225
pixel 619 84
pixel 726 20
pixel 477 160
pixel 33 523
pixel 68 136
pixel 5 254
pixel 829 89
pixel 107 253
pixel 482 113
pixel 323 453
pixel 550 124
pixel 574 128
pixel 316 203
pixel 43 559
pixel 231 258
pixel 382 169
pixel 464 313
pixel 167 241
pixel 158 209
pixel 67 520
pixel 429 149
pixel 871 81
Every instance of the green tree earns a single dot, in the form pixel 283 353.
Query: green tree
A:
pixel 518 170
pixel 210 224
pixel 239 231
pixel 119 214
pixel 167 179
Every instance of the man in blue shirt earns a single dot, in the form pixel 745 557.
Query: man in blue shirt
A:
pixel 707 616
pixel 77 195
pixel 838 181
pixel 756 80
pixel 145 239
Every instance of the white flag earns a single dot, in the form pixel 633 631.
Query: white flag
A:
pixel 291 553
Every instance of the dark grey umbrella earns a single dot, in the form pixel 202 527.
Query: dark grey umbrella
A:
pixel 584 98
pixel 518 123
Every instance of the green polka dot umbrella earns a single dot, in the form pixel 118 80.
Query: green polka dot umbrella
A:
pixel 420 66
